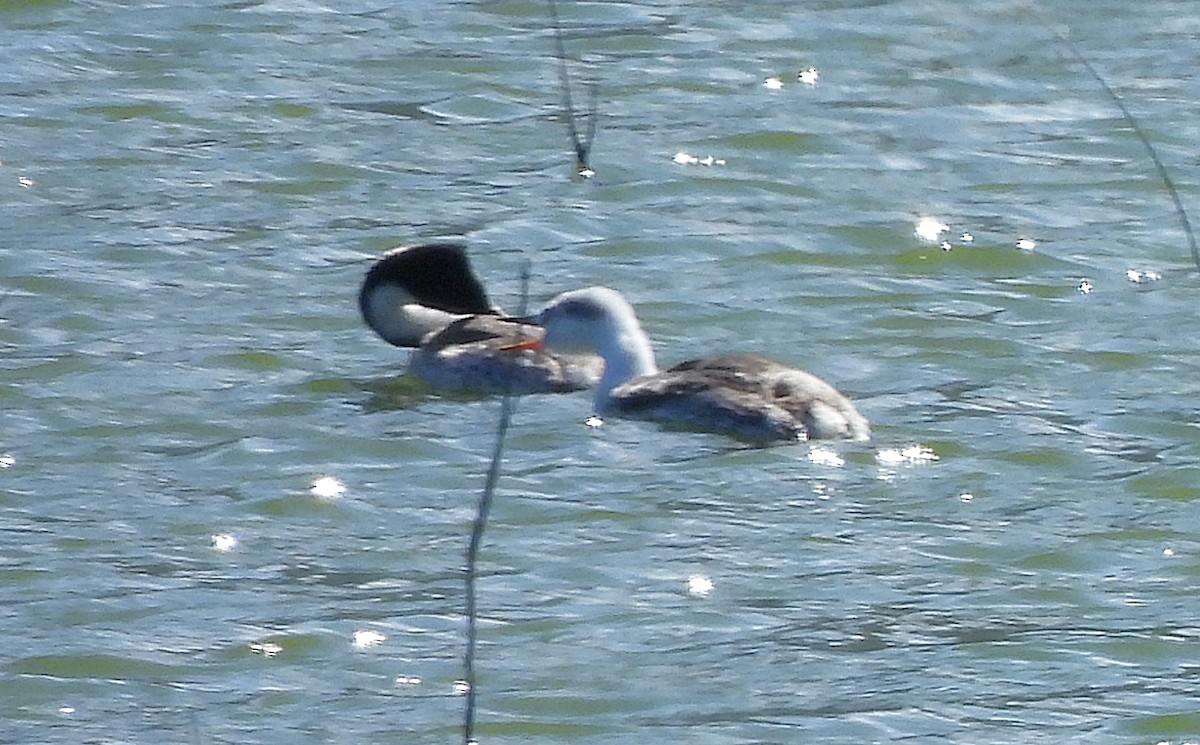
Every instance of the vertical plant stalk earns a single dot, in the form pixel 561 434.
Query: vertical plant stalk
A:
pixel 507 405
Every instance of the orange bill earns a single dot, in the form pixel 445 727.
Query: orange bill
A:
pixel 523 344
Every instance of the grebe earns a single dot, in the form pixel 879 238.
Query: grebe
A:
pixel 744 395
pixel 426 297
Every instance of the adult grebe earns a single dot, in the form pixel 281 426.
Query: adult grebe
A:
pixel 426 297
pixel 748 396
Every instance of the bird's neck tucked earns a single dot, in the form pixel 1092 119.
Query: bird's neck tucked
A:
pixel 391 312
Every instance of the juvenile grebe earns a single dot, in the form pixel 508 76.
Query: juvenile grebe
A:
pixel 426 297
pixel 744 395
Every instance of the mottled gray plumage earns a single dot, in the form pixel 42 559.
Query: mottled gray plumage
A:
pixel 474 353
pixel 752 397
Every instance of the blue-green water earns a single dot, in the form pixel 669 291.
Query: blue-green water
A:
pixel 212 477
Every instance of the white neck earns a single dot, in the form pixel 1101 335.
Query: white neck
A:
pixel 395 316
pixel 627 354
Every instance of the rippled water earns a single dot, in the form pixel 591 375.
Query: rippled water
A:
pixel 213 479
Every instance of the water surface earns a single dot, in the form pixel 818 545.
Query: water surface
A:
pixel 191 196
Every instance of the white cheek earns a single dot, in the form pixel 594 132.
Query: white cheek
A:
pixel 567 334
